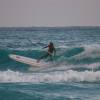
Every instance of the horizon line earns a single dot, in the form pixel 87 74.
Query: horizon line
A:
pixel 42 26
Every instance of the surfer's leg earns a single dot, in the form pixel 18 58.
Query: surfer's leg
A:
pixel 51 58
pixel 42 57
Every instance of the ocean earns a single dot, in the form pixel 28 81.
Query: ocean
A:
pixel 74 76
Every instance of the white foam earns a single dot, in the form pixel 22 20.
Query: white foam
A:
pixel 57 76
pixel 92 51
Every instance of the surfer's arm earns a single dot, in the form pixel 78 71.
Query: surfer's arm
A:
pixel 45 47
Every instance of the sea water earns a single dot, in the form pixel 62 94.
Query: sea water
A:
pixel 74 76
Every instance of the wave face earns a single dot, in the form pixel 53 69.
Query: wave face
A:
pixel 75 74
pixel 73 57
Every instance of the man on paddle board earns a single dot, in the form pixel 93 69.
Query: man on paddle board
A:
pixel 50 52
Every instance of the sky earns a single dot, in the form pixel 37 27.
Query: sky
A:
pixel 29 13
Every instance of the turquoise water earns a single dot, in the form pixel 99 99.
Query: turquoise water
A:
pixel 74 76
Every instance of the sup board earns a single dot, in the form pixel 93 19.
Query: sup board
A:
pixel 27 60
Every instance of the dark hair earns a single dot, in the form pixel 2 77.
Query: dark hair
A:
pixel 51 43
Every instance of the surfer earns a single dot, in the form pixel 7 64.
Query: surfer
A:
pixel 51 51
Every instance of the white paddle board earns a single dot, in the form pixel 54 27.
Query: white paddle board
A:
pixel 27 60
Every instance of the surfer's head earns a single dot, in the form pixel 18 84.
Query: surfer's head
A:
pixel 51 43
